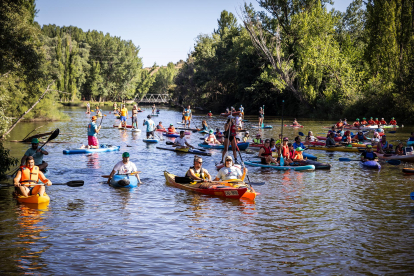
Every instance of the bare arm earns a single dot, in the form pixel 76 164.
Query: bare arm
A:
pixel 17 178
pixel 110 176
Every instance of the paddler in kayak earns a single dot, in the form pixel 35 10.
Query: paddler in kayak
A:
pixel 375 139
pixel 229 171
pixel 383 146
pixel 187 116
pixel 246 136
pixel 209 114
pixel 261 116
pixel 161 127
pixel 298 143
pixel 360 137
pixel 242 111
pixel 93 130
pixel 230 138
pixel 371 121
pixel 330 141
pixel 295 122
pixel 383 122
pixel 37 154
pixel 364 122
pixel 124 167
pixel 393 122
pixel 399 150
pixel 150 126
pixel 265 153
pixel 171 129
pixel 211 138
pixel 356 123
pixel 339 124
pixel 239 122
pixel 124 115
pixel 181 142
pixel 332 130
pixel 310 138
pixel 134 116
pixel 197 172
pixel 376 121
pixel 345 122
pixel 258 140
pixel 29 175
pixel 368 154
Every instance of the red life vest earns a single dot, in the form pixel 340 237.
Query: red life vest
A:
pixel 267 152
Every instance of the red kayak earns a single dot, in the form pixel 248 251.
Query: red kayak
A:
pixel 256 145
pixel 337 139
pixel 228 114
pixel 298 126
pixel 315 143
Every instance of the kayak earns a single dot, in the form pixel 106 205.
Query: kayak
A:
pixel 230 113
pixel 162 130
pixel 214 190
pixel 34 199
pixel 281 168
pixel 315 143
pixel 187 150
pixel 175 135
pixel 152 115
pixel 389 126
pixel 309 156
pixel 371 165
pixel 127 126
pixel 358 145
pixel 241 146
pixel 318 165
pixel 264 127
pixel 337 139
pixel 150 140
pixel 75 151
pixel 408 170
pixel 410 143
pixel 124 181
pixel 339 148
pixel 297 126
pixel 187 128
pixel 404 158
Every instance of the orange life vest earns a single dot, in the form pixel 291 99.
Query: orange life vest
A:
pixel 171 130
pixel 364 122
pixel 285 151
pixel 339 124
pixel 393 122
pixel 30 176
pixel 298 155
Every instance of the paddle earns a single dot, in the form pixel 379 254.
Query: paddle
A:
pixel 241 158
pixel 263 118
pixel 73 183
pixel 31 132
pixel 134 173
pixel 172 143
pixel 412 195
pixel 301 134
pixel 392 161
pixel 281 160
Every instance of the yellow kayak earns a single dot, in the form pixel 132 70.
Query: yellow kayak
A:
pixel 339 148
pixel 36 199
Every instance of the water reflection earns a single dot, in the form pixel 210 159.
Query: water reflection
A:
pixel 92 161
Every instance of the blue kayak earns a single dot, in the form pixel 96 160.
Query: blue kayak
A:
pixel 203 131
pixel 281 168
pixel 150 140
pixel 264 127
pixel 124 181
pixel 410 143
pixel 371 165
pixel 102 149
pixel 175 135
pixel 309 156
pixel 242 146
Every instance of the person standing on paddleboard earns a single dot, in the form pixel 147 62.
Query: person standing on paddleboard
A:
pixel 93 130
pixel 187 116
pixel 124 167
pixel 242 111
pixel 150 126
pixel 261 116
pixel 134 116
pixel 88 108
pixel 229 138
pixel 37 155
pixel 124 115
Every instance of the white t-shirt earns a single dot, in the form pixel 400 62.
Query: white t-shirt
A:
pixel 238 121
pixel 229 173
pixel 180 141
pixel 125 168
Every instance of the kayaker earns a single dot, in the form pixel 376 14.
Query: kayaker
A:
pixel 160 126
pixel 345 122
pixel 150 126
pixel 368 154
pixel 258 140
pixel 93 130
pixel 28 175
pixel 360 137
pixel 246 136
pixel 197 172
pixel 383 146
pixel 383 122
pixel 265 153
pixel 124 114
pixel 261 116
pixel 298 143
pixel 347 138
pixel 37 155
pixel 412 137
pixel 375 139
pixel 134 116
pixel 399 149
pixel 379 129
pixel 171 129
pixel 238 121
pixel 298 154
pixel 124 167
pixel 209 114
pixel 153 109
pixel 364 121
pixel 330 141
pixel 310 138
pixel 204 126
pixel 229 138
pixel 371 121
pixel 227 110
pixel 181 142
pixel 229 171
pixel 88 108
pixel 340 123
pixel 233 110
pixel 242 111
pixel 187 116
pixel 376 121
pixel 340 132
pixel 295 122
pixel 332 130
pixel 356 123
pixel 211 138
pixel 393 122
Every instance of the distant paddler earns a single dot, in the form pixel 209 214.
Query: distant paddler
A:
pixel 134 116
pixel 383 122
pixel 242 111
pixel 29 175
pixel 239 121
pixel 230 138
pixel 124 115
pixel 364 122
pixel 371 121
pixel 150 126
pixel 37 154
pixel 153 109
pixel 376 121
pixel 124 167
pixel 261 116
pixel 295 122
pixel 181 142
pixel 356 123
pixel 209 114
pixel 339 124
pixel 187 116
pixel 160 126
pixel 93 130
pixel 211 138
pixel 393 121
pixel 115 107
pixel 88 108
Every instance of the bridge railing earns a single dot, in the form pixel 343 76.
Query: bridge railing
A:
pixel 154 98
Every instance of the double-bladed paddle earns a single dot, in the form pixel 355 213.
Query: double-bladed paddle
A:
pixel 172 143
pixel 392 161
pixel 134 173
pixel 188 180
pixel 73 183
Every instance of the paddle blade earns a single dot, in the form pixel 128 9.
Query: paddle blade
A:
pixel 256 183
pixel 343 159
pixel 75 183
pixel 54 135
pixel 301 133
pixel 394 162
pixel 412 195
pixel 169 143
pixel 183 180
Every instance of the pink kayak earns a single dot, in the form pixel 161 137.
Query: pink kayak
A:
pixel 297 126
pixel 315 143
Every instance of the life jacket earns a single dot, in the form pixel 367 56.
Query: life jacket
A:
pixel 356 124
pixel 30 176
pixel 348 139
pixel 199 174
pixel 364 122
pixel 383 122
pixel 385 145
pixel 160 127
pixel 267 152
pixel 339 124
pixel 257 141
pixel 171 129
pixel 371 122
pixel 393 122
pixel 369 155
pixel 376 122
pixel 360 137
pixel 285 151
pixel 298 155
pixel 233 130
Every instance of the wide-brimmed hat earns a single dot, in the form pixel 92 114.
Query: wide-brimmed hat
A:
pixel 94 118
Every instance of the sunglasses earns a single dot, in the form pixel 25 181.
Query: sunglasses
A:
pixel 228 160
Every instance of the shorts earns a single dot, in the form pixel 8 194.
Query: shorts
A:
pixel 92 141
pixel 187 118
pixel 263 161
pixel 261 116
pixel 123 119
pixel 134 119
pixel 150 133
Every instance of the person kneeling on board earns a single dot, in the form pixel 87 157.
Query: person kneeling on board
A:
pixel 27 177
pixel 124 167
pixel 181 142
pixel 265 153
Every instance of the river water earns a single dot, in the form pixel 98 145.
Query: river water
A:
pixel 346 221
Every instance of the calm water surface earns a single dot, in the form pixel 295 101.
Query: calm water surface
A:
pixel 346 221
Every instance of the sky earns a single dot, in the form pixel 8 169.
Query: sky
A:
pixel 164 30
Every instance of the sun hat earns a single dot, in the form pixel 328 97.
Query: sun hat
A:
pixel 171 124
pixel 299 149
pixel 357 119
pixel 125 154
pixel 392 118
pixel 369 146
pixel 35 141
pixel 228 157
pixel 247 132
pixel 285 139
pixel 94 118
pixel 258 134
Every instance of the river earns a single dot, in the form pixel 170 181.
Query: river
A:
pixel 346 221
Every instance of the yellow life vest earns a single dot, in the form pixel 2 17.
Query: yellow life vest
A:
pixel 199 174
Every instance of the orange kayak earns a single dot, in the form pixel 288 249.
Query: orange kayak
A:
pixel 35 199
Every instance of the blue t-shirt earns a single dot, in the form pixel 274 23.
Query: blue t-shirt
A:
pixel 300 145
pixel 411 139
pixel 187 112
pixel 92 129
pixel 150 125
pixel 37 156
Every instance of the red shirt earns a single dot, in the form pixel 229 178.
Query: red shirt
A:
pixel 393 122
pixel 383 122
pixel 376 122
pixel 356 124
pixel 371 122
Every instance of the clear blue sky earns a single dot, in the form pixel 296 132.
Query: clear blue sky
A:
pixel 164 30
